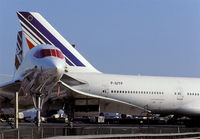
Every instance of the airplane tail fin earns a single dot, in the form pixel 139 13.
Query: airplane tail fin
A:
pixel 19 50
pixel 38 31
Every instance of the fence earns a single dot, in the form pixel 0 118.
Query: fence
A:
pixel 44 132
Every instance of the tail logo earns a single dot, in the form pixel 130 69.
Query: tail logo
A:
pixel 30 18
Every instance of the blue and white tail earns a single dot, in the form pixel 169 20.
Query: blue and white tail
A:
pixel 38 31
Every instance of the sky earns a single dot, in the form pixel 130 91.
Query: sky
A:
pixel 134 37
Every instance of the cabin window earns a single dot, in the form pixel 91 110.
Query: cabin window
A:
pixel 48 52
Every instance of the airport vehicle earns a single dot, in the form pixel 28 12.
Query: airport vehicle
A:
pixel 51 63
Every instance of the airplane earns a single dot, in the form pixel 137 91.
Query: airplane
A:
pixel 37 71
pixel 51 63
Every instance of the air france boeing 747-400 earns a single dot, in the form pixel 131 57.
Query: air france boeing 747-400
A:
pixel 50 63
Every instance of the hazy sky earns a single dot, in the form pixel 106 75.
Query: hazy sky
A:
pixel 146 37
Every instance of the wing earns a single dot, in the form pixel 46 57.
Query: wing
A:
pixel 11 86
pixel 71 81
pixel 7 90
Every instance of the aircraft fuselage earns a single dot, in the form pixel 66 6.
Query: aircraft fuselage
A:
pixel 159 94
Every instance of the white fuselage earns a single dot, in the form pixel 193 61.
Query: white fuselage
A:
pixel 168 95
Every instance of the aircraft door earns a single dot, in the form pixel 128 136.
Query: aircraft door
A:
pixel 105 91
pixel 179 94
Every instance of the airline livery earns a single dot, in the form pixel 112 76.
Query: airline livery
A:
pixel 49 63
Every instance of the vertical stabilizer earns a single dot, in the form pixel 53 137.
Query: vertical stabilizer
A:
pixel 19 50
pixel 38 31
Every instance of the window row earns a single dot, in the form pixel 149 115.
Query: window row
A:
pixel 147 92
pixel 189 94
pixel 193 94
pixel 136 92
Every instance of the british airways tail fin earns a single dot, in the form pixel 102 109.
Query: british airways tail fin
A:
pixel 19 50
pixel 38 31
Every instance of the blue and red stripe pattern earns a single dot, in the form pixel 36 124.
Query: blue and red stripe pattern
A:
pixel 19 50
pixel 41 31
